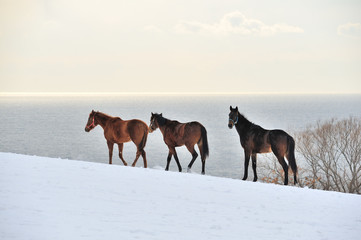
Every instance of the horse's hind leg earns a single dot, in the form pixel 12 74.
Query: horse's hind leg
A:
pixel 282 161
pixel 144 159
pixel 120 147
pixel 290 155
pixel 136 158
pixel 292 162
pixel 194 156
pixel 140 152
pixel 203 166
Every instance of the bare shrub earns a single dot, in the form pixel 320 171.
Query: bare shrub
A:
pixel 332 150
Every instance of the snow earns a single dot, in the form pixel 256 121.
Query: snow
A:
pixel 45 198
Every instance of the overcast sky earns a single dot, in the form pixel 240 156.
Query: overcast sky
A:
pixel 180 46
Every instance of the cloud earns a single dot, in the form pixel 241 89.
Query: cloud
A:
pixel 350 30
pixel 235 23
pixel 152 28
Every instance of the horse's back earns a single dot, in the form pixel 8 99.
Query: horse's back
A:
pixel 119 131
pixel 136 126
pixel 195 124
pixel 136 122
pixel 138 132
pixel 116 131
pixel 278 135
pixel 179 134
pixel 194 127
pixel 193 131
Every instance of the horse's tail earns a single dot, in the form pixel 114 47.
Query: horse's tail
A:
pixel 291 156
pixel 142 143
pixel 203 144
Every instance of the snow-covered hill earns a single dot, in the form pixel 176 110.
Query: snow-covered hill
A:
pixel 44 198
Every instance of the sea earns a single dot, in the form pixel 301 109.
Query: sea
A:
pixel 53 126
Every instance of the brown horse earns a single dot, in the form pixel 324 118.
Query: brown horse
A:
pixel 255 139
pixel 177 134
pixel 120 131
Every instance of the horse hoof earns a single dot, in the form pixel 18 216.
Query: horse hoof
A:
pixel 188 170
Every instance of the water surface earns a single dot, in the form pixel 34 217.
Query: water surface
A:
pixel 54 126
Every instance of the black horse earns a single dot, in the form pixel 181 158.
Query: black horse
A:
pixel 255 139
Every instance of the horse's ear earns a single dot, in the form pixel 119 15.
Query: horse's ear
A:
pixel 152 114
pixel 93 111
pixel 237 108
pixel 230 108
pixel 161 114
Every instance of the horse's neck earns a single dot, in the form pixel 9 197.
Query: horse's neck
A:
pixel 162 129
pixel 102 119
pixel 243 125
pixel 163 126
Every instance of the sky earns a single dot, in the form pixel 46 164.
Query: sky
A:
pixel 201 46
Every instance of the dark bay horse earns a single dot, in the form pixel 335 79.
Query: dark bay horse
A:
pixel 177 134
pixel 120 131
pixel 255 139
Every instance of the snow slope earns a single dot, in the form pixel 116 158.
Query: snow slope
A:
pixel 44 198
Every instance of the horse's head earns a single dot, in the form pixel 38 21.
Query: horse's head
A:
pixel 92 122
pixel 233 117
pixel 154 122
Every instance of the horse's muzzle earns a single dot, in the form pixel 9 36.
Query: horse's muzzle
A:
pixel 230 125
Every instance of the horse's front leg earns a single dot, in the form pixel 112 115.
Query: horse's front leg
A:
pixel 177 161
pixel 168 160
pixel 120 147
pixel 174 153
pixel 254 166
pixel 247 155
pixel 110 147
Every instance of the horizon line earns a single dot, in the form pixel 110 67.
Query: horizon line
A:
pixel 167 93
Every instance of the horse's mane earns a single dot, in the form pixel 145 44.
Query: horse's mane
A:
pixel 102 115
pixel 244 120
pixel 161 120
pixel 246 123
